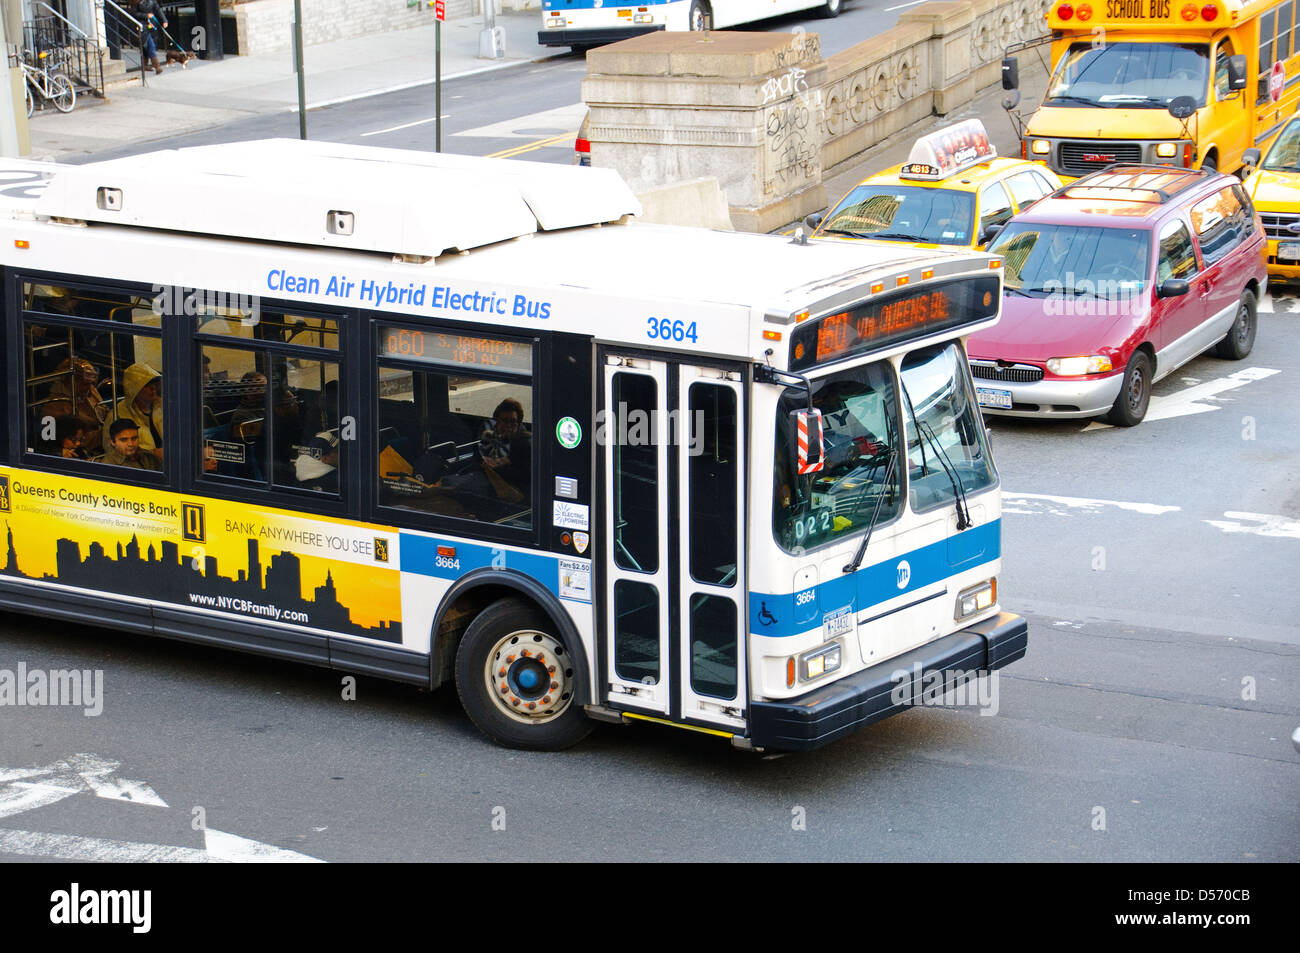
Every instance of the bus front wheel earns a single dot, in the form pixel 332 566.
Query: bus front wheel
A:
pixel 517 682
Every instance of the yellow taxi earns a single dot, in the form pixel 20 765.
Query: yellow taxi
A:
pixel 952 190
pixel 1274 187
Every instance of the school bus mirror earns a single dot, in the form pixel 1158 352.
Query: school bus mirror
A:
pixel 1011 73
pixel 1237 71
pixel 1250 158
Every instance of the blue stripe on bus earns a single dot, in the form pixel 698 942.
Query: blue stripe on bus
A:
pixel 420 555
pixel 561 5
pixel 779 615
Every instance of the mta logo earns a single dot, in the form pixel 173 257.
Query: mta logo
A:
pixel 904 574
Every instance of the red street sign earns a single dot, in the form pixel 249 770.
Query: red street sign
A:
pixel 1276 80
pixel 440 9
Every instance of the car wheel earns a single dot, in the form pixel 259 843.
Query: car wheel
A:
pixel 516 680
pixel 1241 336
pixel 1135 393
pixel 1211 164
pixel 831 9
pixel 699 10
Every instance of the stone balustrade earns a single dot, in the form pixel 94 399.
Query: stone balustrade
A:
pixel 764 113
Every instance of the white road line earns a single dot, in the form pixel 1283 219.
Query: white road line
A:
pixel 1192 400
pixel 1263 524
pixel 903 6
pixel 96 849
pixel 241 850
pixel 561 119
pixel 20 796
pixel 405 125
pixel 1035 503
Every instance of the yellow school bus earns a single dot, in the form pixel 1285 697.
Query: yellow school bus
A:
pixel 1170 82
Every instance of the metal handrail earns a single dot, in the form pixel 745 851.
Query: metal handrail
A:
pixel 59 16
pixel 138 24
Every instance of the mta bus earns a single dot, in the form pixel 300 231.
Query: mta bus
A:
pixel 432 419
pixel 1190 85
pixel 586 23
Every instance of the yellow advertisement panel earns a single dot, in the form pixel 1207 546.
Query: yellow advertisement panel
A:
pixel 248 561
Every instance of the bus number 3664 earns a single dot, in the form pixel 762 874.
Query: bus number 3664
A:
pixel 665 329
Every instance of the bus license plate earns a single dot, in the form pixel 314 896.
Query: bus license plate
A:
pixel 839 622
pixel 997 399
pixel 1289 250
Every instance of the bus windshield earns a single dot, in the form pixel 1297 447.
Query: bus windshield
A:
pixel 859 409
pixel 1073 260
pixel 1133 75
pixel 947 456
pixel 904 213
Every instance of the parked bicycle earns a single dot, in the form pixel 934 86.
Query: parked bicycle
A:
pixel 50 83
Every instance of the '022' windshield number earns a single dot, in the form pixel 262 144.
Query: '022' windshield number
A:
pixel 666 329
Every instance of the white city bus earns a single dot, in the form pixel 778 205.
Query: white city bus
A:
pixel 585 23
pixel 436 419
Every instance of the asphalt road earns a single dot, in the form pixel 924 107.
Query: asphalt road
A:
pixel 531 111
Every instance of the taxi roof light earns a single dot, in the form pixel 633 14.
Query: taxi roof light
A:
pixel 948 151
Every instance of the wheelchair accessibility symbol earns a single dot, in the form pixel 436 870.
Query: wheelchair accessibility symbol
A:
pixel 904 574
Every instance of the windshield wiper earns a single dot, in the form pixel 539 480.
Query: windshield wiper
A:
pixel 886 489
pixel 1020 291
pixel 958 490
pixel 893 236
pixel 840 231
pixel 1073 99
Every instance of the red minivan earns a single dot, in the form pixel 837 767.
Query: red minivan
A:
pixel 1113 282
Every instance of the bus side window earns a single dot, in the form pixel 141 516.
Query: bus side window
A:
pixel 1266 30
pixel 1222 90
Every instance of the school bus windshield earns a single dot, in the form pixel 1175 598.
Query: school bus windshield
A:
pixel 1131 75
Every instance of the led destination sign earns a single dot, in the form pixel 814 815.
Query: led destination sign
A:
pixel 889 319
pixel 454 350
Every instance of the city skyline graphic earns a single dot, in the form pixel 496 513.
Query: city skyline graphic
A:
pixel 160 572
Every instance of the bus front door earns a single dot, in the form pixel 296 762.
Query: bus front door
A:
pixel 674 596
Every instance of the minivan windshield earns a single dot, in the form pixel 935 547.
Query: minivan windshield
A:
pixel 1073 260
pixel 1130 75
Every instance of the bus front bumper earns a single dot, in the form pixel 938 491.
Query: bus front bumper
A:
pixel 842 707
pixel 593 36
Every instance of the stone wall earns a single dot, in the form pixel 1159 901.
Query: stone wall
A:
pixel 766 115
pixel 264 26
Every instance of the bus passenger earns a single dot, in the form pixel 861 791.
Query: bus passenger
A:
pixel 124 447
pixel 316 466
pixel 80 397
pixel 506 452
pixel 142 404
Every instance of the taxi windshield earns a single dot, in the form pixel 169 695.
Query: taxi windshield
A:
pixel 859 408
pixel 1285 154
pixel 1130 75
pixel 1073 260
pixel 905 213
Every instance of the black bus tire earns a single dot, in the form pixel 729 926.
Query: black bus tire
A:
pixel 516 679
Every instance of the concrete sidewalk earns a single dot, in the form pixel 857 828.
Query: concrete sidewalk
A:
pixel 209 94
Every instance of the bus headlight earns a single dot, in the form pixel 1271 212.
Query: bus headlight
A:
pixel 1167 150
pixel 821 662
pixel 1041 147
pixel 977 598
pixel 644 18
pixel 1078 366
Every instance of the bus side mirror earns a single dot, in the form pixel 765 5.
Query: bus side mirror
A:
pixel 807 441
pixel 1237 71
pixel 1174 288
pixel 1011 73
pixel 1250 158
